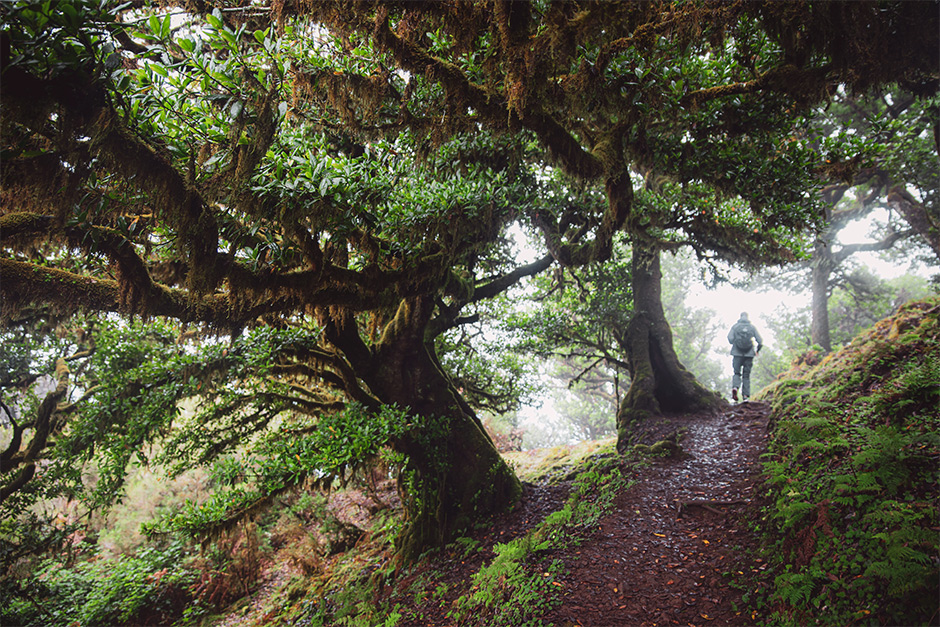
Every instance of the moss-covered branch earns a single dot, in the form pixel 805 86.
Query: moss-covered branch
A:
pixel 23 283
pixel 809 85
pixel 494 107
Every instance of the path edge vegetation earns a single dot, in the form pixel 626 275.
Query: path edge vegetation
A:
pixel 517 582
pixel 850 521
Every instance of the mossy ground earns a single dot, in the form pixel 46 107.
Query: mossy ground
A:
pixel 852 477
pixel 558 461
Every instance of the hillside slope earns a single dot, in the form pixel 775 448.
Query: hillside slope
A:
pixel 653 538
pixel 852 524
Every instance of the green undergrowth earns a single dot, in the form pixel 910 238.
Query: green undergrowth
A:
pixel 513 584
pixel 521 582
pixel 155 586
pixel 852 480
pixel 175 580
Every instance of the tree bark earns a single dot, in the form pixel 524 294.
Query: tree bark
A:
pixel 825 259
pixel 454 474
pixel 45 425
pixel 659 383
pixel 822 265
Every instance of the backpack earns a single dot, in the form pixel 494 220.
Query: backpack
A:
pixel 742 338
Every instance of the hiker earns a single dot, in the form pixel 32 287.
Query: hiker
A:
pixel 741 337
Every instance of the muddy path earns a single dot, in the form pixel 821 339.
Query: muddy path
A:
pixel 679 540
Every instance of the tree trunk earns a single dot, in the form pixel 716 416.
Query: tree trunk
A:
pixel 454 474
pixel 659 383
pixel 822 265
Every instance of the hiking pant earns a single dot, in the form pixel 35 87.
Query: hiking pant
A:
pixel 742 374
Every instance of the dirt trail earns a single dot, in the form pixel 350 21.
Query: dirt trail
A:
pixel 661 557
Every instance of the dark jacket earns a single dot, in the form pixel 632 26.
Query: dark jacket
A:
pixel 745 324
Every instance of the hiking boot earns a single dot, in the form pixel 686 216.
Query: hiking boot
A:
pixel 734 394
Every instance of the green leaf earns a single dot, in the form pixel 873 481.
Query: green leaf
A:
pixel 215 19
pixel 155 26
pixel 71 15
pixel 229 37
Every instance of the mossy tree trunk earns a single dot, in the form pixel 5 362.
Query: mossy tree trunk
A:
pixel 659 382
pixel 455 475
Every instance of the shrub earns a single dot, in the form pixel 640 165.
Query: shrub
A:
pixel 153 587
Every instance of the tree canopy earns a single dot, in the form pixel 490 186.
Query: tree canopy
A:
pixel 889 155
pixel 330 185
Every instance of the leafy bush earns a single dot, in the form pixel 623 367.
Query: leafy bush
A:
pixel 323 454
pixel 153 587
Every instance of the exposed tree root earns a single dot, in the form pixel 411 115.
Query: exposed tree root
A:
pixel 709 505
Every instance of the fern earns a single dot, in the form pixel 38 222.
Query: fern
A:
pixel 794 512
pixel 817 421
pixel 861 449
pixel 795 588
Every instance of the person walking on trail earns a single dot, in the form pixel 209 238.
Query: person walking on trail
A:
pixel 742 338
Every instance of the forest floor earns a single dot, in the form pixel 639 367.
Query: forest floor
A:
pixel 677 548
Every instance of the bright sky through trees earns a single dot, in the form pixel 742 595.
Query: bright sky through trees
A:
pixel 728 301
